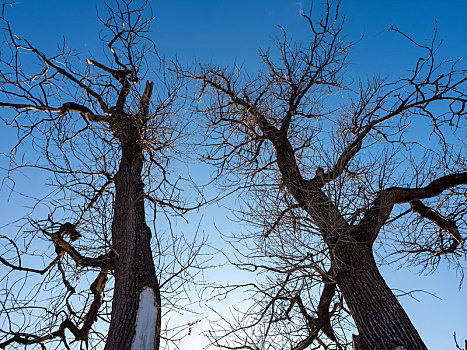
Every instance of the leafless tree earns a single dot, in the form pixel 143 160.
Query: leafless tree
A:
pixel 335 169
pixel 106 136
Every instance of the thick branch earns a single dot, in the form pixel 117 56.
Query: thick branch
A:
pixel 443 223
pixel 106 261
pixel 376 216
pixel 340 166
pixel 435 188
pixel 65 108
pixel 145 100
pixel 120 75
pixel 323 322
pixel 97 289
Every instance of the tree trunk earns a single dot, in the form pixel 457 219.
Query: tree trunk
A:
pixel 381 321
pixel 135 323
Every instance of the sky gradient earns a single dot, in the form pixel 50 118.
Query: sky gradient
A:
pixel 226 32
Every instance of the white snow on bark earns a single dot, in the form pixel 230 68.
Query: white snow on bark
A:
pixel 145 321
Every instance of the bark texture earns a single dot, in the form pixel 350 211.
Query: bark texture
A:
pixel 131 240
pixel 380 319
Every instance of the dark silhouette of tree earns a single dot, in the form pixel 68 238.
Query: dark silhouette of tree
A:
pixel 105 135
pixel 332 170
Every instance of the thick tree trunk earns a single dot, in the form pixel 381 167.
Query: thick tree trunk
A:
pixel 381 321
pixel 132 326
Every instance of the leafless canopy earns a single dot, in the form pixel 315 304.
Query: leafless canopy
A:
pixel 72 117
pixel 329 163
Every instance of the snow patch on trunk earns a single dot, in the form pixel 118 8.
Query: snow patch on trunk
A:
pixel 146 319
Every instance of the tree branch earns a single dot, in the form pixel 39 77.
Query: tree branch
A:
pixel 65 108
pixel 377 214
pixel 443 223
pixel 68 75
pixel 120 75
pixel 97 288
pixel 105 261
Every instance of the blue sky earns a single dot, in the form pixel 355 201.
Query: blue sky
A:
pixel 225 32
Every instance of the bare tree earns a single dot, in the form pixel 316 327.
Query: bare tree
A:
pixel 105 136
pixel 334 168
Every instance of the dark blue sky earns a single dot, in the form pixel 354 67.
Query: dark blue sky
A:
pixel 224 32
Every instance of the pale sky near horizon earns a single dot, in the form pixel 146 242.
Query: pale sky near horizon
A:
pixel 225 32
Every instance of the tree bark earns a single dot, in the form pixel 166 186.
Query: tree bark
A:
pixel 131 240
pixel 381 321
